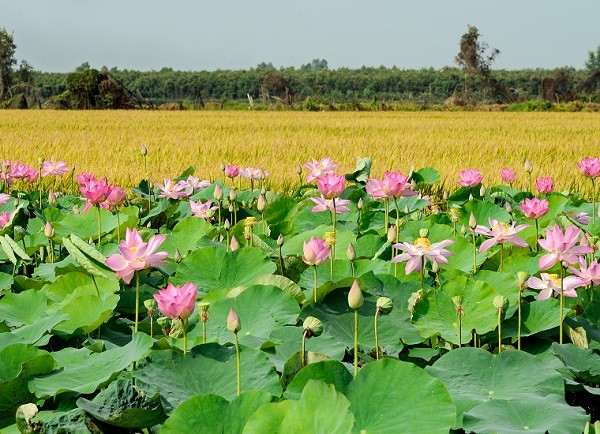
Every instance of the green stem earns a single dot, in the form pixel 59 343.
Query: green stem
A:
pixel 353 267
pixel 99 225
pixel 315 286
pixel 185 326
pixel 474 253
pixel 355 342
pixel 118 227
pixel 562 304
pixel 137 302
pixel 203 332
pixel 239 363
pixel 423 272
pixel 501 256
pixel 386 207
pixel 519 323
pixel 499 331
pixel 459 328
pixel 302 353
pixel 281 262
pixel 376 336
pixel 151 327
pixel 537 235
pixel 334 234
pixel 593 202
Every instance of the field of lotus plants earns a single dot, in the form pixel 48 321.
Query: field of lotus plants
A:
pixel 354 304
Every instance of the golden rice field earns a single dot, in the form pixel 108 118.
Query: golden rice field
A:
pixel 108 142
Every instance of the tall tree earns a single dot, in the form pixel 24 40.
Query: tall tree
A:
pixel 593 62
pixel 7 61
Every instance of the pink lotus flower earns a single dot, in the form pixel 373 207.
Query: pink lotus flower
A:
pixel 4 198
pixel 32 174
pixel 136 255
pixel 253 173
pixel 115 198
pixel 172 190
pixel 194 184
pixel 204 210
pixel 320 168
pixel 561 247
pixel 327 204
pixel 393 185
pixel 550 283
pixel 177 301
pixel 534 208
pixel 590 167
pixel 231 171
pixel 331 185
pixel 422 248
pixel 508 175
pixel 18 170
pixel 315 251
pixel 501 233
pixel 84 178
pixel 587 273
pixel 4 218
pixel 58 168
pixel 544 185
pixel 95 191
pixel 583 218
pixel 470 177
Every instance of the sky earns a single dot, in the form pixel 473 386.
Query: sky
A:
pixel 193 35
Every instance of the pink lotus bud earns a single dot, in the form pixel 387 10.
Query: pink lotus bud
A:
pixel 51 197
pixel 391 234
pixel 231 171
pixel 234 244
pixel 528 166
pixel 49 230
pixel 355 296
pixel 233 321
pixel 508 175
pixel 351 252
pixel 218 193
pixel 544 185
pixel 315 251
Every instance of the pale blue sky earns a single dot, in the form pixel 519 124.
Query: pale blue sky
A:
pixel 58 35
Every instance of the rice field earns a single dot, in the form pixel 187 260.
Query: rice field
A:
pixel 108 142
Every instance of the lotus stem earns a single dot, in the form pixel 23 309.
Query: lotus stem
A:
pixel 355 342
pixel 376 336
pixel 118 227
pixel 499 330
pixel 137 302
pixel 386 207
pixel 562 305
pixel 501 256
pixel 519 321
pixel 302 353
pixel 238 363
pixel 315 285
pixel 334 234
pixel 459 327
pixel 537 235
pixel 99 225
pixel 185 327
pixel 474 253
pixel 423 272
pixel 593 202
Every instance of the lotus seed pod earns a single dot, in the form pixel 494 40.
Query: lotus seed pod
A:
pixel 355 296
pixel 177 256
pixel 218 193
pixel 203 310
pixel 234 244
pixel 24 415
pixel 280 240
pixel 472 222
pixel 500 302
pixel 351 252
pixel 312 326
pixel 463 229
pixel 163 323
pixel 482 191
pixel 384 305
pixel 330 238
pixel 250 222
pixel 528 166
pixel 391 234
pixel 232 195
pixel 457 300
pixel 261 203
pixel 454 214
pixel 51 197
pixel 233 321
pixel 144 150
pixel 423 232
pixel 150 305
pixel 41 160
pixel 360 203
pixel 299 169
pixel 19 233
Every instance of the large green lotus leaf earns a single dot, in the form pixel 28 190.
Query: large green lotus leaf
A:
pixel 216 270
pixel 261 310
pixel 427 175
pixel 122 404
pixel 35 333
pixel 208 414
pixel 483 211
pixel 284 283
pixel 583 363
pixel 72 421
pixel 474 376
pixel 390 396
pixel 328 371
pixel 462 255
pixel 436 314
pixel 186 234
pixel 19 363
pixel 85 225
pixel 23 308
pixel 505 284
pixel 320 410
pixel 342 272
pixel 208 368
pixel 70 356
pixel 288 341
pixel 537 316
pixel 294 245
pixel 526 414
pixel 97 369
pixel 521 262
pixel 437 232
pixel 368 245
pixel 6 282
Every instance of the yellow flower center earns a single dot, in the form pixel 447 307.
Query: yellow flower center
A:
pixel 133 248
pixel 422 242
pixel 500 226
pixel 555 279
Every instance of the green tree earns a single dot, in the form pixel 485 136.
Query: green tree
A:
pixel 7 61
pixel 593 62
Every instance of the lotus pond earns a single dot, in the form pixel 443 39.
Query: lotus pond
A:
pixel 351 305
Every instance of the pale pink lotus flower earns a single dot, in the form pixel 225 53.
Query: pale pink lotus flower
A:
pixel 561 247
pixel 231 171
pixel 374 187
pixel 136 255
pixel 501 233
pixel 57 168
pixel 549 285
pixel 4 198
pixel 177 301
pixel 315 251
pixel 583 218
pixel 253 173
pixel 204 210
pixel 194 184
pixel 534 208
pixel 115 198
pixel 323 204
pixel 319 168
pixel 508 175
pixel 95 191
pixel 587 273
pixel 171 190
pixel 84 177
pixel 5 218
pixel 32 174
pixel 331 185
pixel 544 185
pixel 393 185
pixel 18 170
pixel 422 248
pixel 590 167
pixel 469 178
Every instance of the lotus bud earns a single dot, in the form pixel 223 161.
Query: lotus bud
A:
pixel 218 193
pixel 250 222
pixel 234 244
pixel 330 238
pixel 233 321
pixel 49 230
pixel 19 233
pixel 472 222
pixel 261 175
pixel 351 252
pixel 508 207
pixel 280 240
pixel 263 190
pixel 223 167
pixel 454 214
pixel 164 324
pixel 261 203
pixel 230 208
pixel 471 197
pixel 232 195
pixel 500 302
pixel 435 210
pixel 355 296
pixel 203 309
pixel 463 229
pixel 51 197
pixel 406 209
pixel 528 166
pixel 75 209
pixel 149 224
pixel 177 256
pixel 435 267
pixel 445 195
pixel 150 305
pixel 227 225
pixel 144 150
pixel 413 184
pixel 391 234
pixel 522 279
pixel 384 305
pixel 299 169
pixel 482 191
pixel 423 232
pixel 312 326
pixel 361 203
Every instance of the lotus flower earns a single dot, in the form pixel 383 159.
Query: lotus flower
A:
pixel 136 255
pixel 253 173
pixel 4 218
pixel 587 273
pixel 470 178
pixel 204 210
pixel 422 247
pixel 534 208
pixel 231 171
pixel 323 204
pixel 590 167
pixel 84 178
pixel 320 168
pixel 508 175
pixel 19 170
pixel 544 185
pixel 114 199
pixel 501 233
pixel 550 283
pixel 561 247
pixel 95 191
pixel 4 198
pixel 172 190
pixel 315 251
pixel 58 168
pixel 194 184
pixel 583 218
pixel 393 185
pixel 177 301
pixel 331 185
